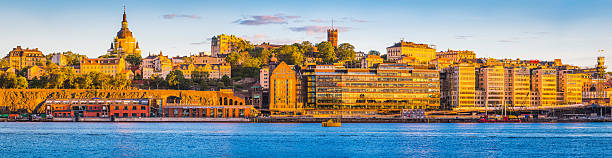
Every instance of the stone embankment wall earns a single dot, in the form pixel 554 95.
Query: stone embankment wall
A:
pixel 26 100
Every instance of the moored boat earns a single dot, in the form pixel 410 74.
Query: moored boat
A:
pixel 331 123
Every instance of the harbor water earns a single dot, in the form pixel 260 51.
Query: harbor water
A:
pixel 55 139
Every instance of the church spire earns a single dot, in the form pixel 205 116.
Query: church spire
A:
pixel 124 22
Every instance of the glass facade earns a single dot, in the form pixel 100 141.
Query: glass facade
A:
pixel 388 88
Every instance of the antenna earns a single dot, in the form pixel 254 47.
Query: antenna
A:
pixel 332 23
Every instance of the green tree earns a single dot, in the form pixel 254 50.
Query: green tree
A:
pixel 326 52
pixel 233 58
pixel 346 52
pixel 373 52
pixel 134 60
pixel 290 54
pixel 226 80
pixel 4 63
pixel 174 79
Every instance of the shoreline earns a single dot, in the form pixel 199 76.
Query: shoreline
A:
pixel 302 120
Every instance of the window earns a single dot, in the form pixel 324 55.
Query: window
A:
pixel 133 107
pixel 116 114
pixel 143 108
pixel 125 107
pixel 116 107
pixel 143 115
pixel 125 115
pixel 134 115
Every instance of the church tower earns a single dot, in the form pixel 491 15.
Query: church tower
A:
pixel 332 35
pixel 124 43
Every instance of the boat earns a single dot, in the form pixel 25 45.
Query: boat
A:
pixel 331 123
pixel 505 119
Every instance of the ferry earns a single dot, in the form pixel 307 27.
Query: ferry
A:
pixel 331 123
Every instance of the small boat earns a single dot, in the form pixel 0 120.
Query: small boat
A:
pixel 331 123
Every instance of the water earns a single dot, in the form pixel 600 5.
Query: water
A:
pixel 44 139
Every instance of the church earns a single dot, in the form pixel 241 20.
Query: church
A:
pixel 124 43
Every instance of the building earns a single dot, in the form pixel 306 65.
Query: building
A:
pixel 570 86
pixel 214 71
pixel 20 58
pixel 102 108
pixel 357 92
pixel 109 66
pixel 517 87
pixel 35 72
pixel 283 91
pixel 360 55
pixel 456 56
pixel 124 43
pixel 490 80
pixel 332 36
pixel 222 45
pixel 158 65
pixel 423 53
pixel 459 86
pixel 203 60
pixel 371 61
pixel 227 106
pixel 59 59
pixel 264 77
pixel 217 71
pixel 544 87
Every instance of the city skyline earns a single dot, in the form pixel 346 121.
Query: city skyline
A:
pixel 508 30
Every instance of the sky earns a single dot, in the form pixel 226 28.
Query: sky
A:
pixel 571 30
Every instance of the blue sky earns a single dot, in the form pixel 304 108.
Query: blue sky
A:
pixel 572 30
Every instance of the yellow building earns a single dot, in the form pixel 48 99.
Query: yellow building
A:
pixel 158 65
pixel 491 83
pixel 517 87
pixel 423 53
pixel 544 87
pixel 124 43
pixel 20 58
pixel 371 61
pixel 283 91
pixel 456 56
pixel 387 89
pixel 462 86
pixel 109 66
pixel 224 44
pixel 35 72
pixel 570 85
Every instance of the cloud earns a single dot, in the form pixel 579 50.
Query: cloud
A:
pixel 207 41
pixel 266 19
pixel 316 29
pixel 507 41
pixel 255 37
pixel 172 16
pixel 344 19
pixel 351 19
pixel 462 37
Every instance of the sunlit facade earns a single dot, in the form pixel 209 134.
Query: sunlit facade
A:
pixel 387 89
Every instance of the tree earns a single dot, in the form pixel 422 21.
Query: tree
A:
pixel 326 52
pixel 373 52
pixel 134 60
pixel 226 80
pixel 175 78
pixel 346 52
pixel 4 63
pixel 233 58
pixel 290 54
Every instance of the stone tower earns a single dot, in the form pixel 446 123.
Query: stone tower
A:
pixel 332 35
